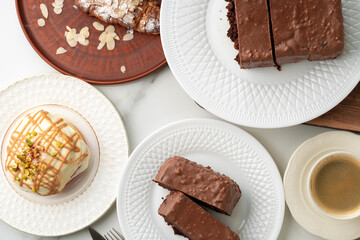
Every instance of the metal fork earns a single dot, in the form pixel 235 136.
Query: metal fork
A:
pixel 114 235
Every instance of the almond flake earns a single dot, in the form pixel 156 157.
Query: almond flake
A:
pixel 61 50
pixel 101 45
pixel 80 38
pixel 44 10
pixel 57 10
pixel 123 69
pixel 110 28
pixel 98 26
pixel 41 22
pixel 110 44
pixel 86 43
pixel 102 37
pixel 72 43
pixel 85 32
pixel 55 5
pixel 128 37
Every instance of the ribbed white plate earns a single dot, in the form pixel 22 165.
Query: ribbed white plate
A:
pixel 90 195
pixel 225 148
pixel 200 55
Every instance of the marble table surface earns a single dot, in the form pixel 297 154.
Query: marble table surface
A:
pixel 145 105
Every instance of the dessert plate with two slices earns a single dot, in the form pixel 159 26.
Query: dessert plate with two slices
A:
pixel 201 56
pixel 86 197
pixel 226 149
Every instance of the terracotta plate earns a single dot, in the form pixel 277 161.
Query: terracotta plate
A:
pixel 140 56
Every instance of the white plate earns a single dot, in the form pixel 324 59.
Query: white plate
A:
pixel 296 185
pixel 200 55
pixel 225 148
pixel 89 196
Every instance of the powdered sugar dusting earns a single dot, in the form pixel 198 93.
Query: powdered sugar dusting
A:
pixel 125 12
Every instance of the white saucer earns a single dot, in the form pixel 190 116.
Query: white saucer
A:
pixel 222 146
pixel 296 185
pixel 90 195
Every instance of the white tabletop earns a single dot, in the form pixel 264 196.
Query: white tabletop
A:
pixel 145 105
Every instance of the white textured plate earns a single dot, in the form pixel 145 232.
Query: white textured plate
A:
pixel 90 195
pixel 225 148
pixel 200 55
pixel 296 185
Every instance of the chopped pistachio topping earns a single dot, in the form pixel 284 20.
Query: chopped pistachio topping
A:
pixel 15 168
pixel 33 189
pixel 29 143
pixel 25 177
pixel 37 150
pixel 17 179
pixel 53 154
pixel 59 144
pixel 35 134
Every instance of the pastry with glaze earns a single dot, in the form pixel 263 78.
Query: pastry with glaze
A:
pixel 45 152
pixel 139 15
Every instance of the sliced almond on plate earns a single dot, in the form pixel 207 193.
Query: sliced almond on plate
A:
pixel 72 43
pixel 41 22
pixel 110 28
pixel 44 10
pixel 110 44
pixel 123 69
pixel 98 26
pixel 57 10
pixel 128 37
pixel 85 32
pixel 101 45
pixel 61 50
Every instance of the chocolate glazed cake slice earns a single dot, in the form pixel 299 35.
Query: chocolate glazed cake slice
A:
pixel 192 221
pixel 254 33
pixel 204 185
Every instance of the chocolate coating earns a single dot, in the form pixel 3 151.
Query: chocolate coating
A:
pixel 192 221
pixel 325 29
pixel 253 33
pixel 289 27
pixel 299 29
pixel 211 188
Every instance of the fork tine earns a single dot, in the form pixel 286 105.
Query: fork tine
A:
pixel 114 235
pixel 106 237
pixel 119 234
pixel 110 237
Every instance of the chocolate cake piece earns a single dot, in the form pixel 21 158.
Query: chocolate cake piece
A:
pixel 289 26
pixel 192 221
pixel 325 30
pixel 204 185
pixel 254 33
